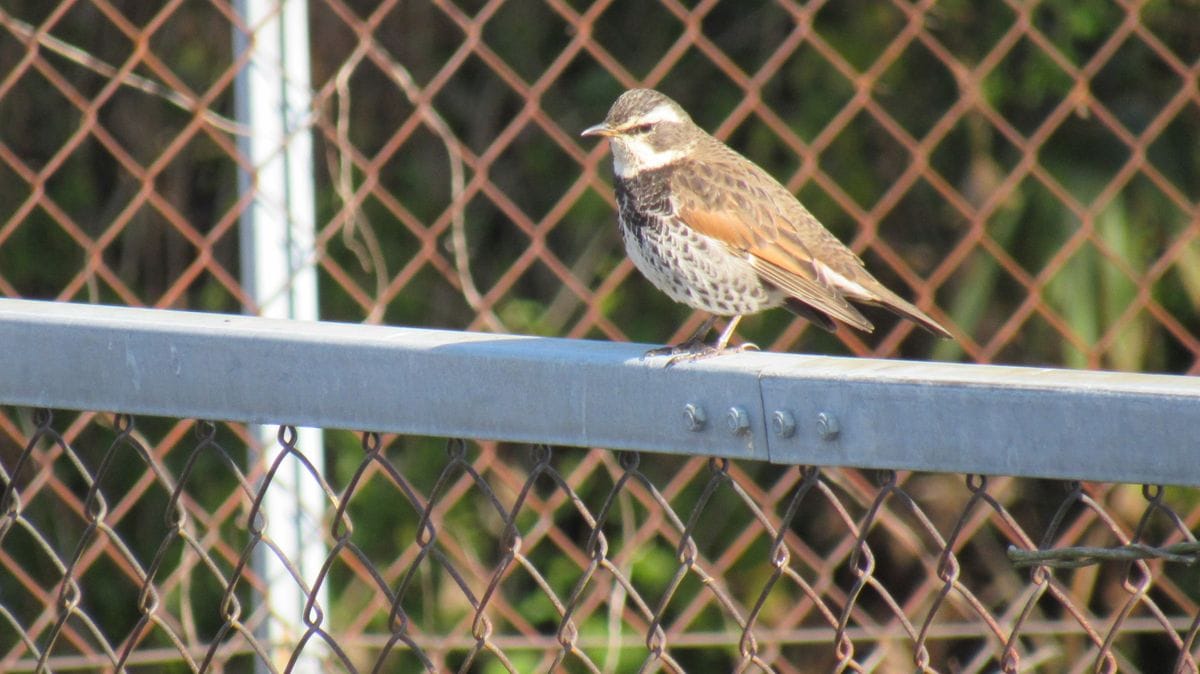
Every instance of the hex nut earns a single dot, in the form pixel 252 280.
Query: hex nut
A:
pixel 783 423
pixel 694 417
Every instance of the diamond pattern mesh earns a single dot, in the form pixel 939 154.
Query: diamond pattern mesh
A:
pixel 1025 171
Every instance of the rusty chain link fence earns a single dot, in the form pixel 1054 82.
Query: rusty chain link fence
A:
pixel 129 544
pixel 1028 172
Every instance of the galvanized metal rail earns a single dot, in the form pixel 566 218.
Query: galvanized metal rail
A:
pixel 785 408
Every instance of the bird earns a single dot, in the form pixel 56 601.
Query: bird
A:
pixel 715 231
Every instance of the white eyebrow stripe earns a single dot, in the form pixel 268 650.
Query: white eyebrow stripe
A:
pixel 662 113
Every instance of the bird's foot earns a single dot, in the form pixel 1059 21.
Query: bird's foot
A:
pixel 682 348
pixel 693 350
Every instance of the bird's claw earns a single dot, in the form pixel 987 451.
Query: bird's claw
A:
pixel 687 352
pixel 680 349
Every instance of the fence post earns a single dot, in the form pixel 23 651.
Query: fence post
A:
pixel 273 100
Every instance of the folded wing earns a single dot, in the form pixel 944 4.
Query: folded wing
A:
pixel 755 216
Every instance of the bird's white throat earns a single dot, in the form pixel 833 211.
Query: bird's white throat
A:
pixel 632 156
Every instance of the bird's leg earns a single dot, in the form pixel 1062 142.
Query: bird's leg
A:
pixel 692 350
pixel 727 333
pixel 690 345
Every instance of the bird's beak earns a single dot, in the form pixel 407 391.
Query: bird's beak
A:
pixel 599 130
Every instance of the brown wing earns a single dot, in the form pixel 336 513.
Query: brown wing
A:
pixel 730 199
pixel 743 214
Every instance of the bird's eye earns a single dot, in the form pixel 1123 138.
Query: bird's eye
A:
pixel 641 128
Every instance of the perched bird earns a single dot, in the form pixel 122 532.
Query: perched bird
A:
pixel 714 231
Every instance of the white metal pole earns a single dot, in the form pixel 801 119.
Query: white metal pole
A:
pixel 273 100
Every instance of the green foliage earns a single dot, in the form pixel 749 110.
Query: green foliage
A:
pixel 1038 167
pixel 1039 179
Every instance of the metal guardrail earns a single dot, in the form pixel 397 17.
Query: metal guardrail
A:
pixel 593 559
pixel 454 168
pixel 784 408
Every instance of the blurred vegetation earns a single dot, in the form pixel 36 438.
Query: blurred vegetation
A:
pixel 1090 252
pixel 1113 267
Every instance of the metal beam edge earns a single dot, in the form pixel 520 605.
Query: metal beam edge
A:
pixel 360 377
pixel 888 414
pixel 991 420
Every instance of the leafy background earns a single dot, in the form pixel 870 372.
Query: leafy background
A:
pixel 1030 169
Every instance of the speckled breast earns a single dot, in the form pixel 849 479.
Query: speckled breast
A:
pixel 688 266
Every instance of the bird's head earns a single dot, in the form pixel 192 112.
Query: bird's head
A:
pixel 647 130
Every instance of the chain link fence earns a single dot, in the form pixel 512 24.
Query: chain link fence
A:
pixel 128 544
pixel 1027 172
pixel 1029 168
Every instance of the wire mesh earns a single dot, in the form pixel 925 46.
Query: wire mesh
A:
pixel 128 545
pixel 1026 167
pixel 1029 168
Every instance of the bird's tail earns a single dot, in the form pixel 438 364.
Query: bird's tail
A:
pixel 903 308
